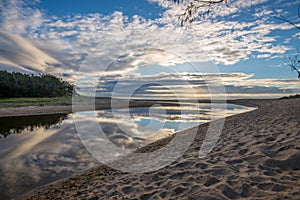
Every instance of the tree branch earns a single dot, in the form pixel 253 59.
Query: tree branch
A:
pixel 286 20
pixel 293 62
pixel 192 11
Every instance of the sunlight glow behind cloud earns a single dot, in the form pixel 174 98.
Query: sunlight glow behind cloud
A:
pixel 33 41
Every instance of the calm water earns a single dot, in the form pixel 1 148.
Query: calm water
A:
pixel 37 150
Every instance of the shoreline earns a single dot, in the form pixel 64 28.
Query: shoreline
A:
pixel 101 104
pixel 89 105
pixel 223 176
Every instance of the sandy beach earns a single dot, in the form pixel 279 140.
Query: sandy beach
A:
pixel 256 157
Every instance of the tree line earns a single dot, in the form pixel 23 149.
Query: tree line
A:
pixel 16 84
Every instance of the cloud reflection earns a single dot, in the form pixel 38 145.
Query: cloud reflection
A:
pixel 36 157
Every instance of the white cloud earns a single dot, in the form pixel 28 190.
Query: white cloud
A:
pixel 66 41
pixel 18 17
pixel 165 85
pixel 17 51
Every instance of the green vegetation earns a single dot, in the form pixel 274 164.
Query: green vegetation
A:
pixel 292 97
pixel 18 102
pixel 16 85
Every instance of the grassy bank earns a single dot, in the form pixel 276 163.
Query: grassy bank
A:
pixel 18 102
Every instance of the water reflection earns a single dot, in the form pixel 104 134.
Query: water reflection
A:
pixel 15 125
pixel 140 126
pixel 39 154
pixel 48 148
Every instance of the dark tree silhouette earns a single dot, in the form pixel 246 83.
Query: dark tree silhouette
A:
pixel 282 18
pixel 294 62
pixel 196 9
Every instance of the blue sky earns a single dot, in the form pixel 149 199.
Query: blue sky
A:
pixel 128 7
pixel 134 38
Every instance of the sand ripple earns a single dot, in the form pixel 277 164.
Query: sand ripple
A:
pixel 257 157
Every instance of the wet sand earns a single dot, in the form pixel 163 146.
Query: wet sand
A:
pixel 257 157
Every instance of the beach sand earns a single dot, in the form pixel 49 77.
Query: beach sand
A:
pixel 257 157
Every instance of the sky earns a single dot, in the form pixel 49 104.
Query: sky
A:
pixel 139 46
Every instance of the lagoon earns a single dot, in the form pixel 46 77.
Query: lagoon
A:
pixel 37 150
